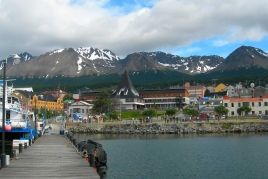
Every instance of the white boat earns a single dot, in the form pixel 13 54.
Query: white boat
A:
pixel 19 121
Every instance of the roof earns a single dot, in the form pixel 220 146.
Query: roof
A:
pixel 81 103
pixel 245 99
pixel 215 94
pixel 179 90
pixel 47 98
pixel 29 89
pixel 26 94
pixel 125 89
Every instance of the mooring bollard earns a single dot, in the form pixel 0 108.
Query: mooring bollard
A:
pixel 15 153
pixel 74 141
pixel 20 148
pixel 91 160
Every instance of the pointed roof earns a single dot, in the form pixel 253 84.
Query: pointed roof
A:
pixel 125 89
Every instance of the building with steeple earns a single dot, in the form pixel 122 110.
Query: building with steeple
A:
pixel 126 97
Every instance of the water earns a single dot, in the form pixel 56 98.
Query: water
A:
pixel 173 157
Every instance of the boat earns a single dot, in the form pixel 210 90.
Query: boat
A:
pixel 20 122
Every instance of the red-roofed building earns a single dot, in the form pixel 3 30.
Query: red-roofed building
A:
pixel 258 105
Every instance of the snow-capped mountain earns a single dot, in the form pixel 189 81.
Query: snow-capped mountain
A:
pixel 83 61
pixel 15 59
pixel 245 57
pixel 68 62
pixel 161 60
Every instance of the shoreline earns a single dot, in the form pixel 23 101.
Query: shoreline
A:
pixel 220 127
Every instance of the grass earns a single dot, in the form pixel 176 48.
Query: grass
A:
pixel 131 114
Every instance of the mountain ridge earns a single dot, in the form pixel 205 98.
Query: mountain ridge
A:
pixel 82 61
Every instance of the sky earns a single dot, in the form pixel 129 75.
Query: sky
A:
pixel 180 27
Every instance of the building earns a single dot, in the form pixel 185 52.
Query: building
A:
pixel 86 95
pixel 47 102
pixel 79 111
pixel 165 98
pixel 258 105
pixel 56 93
pixel 196 91
pixel 25 98
pixel 220 88
pixel 126 97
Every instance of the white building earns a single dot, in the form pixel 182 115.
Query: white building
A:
pixel 79 111
pixel 258 105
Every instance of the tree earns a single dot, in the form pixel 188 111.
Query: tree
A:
pixel 149 113
pixel 103 103
pixel 220 111
pixel 171 112
pixel 247 110
pixel 191 112
pixel 243 110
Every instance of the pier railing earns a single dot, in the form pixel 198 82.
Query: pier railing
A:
pixel 93 152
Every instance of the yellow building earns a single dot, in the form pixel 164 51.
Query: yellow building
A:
pixel 220 88
pixel 47 102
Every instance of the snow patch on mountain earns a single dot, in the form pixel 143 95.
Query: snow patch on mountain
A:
pixel 261 52
pixel 56 51
pixel 192 64
pixel 79 66
pixel 94 54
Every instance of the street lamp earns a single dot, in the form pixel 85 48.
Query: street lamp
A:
pixel 3 155
pixel 35 118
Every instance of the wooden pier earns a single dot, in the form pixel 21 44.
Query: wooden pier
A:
pixel 50 157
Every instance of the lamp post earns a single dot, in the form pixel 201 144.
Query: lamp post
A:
pixel 35 118
pixel 3 155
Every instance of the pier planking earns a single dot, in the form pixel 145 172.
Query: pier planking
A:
pixel 51 156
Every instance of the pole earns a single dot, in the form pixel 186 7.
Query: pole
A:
pixel 35 118
pixel 3 155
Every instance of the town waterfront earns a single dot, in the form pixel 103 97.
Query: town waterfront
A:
pixel 192 156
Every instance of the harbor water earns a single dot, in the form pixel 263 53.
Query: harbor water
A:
pixel 175 157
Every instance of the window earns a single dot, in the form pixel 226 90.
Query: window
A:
pixel 246 104
pixel 266 112
pixel 8 114
pixel 225 104
pixel 83 111
pixel 232 113
pixel 252 104
pixel 259 103
pixel 260 112
pixel 239 105
pixel 265 103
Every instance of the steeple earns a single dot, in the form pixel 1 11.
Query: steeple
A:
pixel 125 88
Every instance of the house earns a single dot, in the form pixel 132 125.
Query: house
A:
pixel 231 91
pixel 80 111
pixel 220 88
pixel 258 105
pixel 126 97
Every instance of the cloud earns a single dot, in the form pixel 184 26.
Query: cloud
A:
pixel 220 43
pixel 43 25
